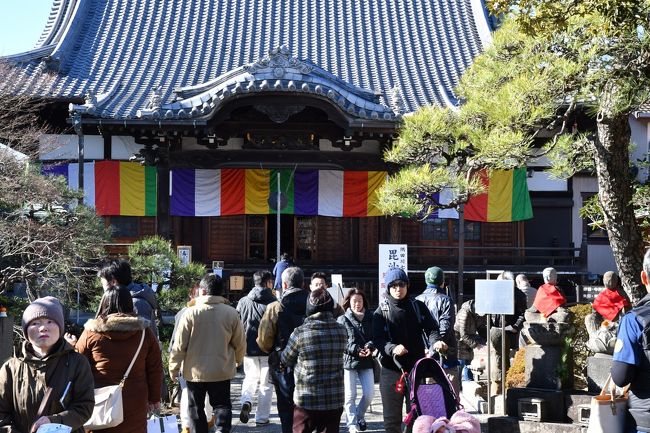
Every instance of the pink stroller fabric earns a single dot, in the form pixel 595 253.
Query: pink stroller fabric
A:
pixel 460 422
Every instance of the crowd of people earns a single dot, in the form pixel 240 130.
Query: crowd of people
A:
pixel 312 351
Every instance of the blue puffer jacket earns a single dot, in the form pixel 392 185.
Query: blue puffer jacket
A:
pixel 442 310
pixel 251 309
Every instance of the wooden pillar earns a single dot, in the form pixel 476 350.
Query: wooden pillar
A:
pixel 163 219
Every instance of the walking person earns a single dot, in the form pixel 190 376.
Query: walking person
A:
pixel 276 326
pixel 443 313
pixel 45 361
pixel 284 263
pixel 184 412
pixel 402 327
pixel 256 362
pixel 209 344
pixel 357 359
pixel 109 342
pixel 315 353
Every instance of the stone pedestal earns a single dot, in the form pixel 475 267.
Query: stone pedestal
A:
pixel 541 368
pixel 554 401
pixel 598 368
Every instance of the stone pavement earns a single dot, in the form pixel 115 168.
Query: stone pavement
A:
pixel 373 416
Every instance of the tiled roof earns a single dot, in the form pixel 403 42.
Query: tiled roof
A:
pixel 123 50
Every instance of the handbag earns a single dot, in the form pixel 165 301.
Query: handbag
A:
pixel 608 410
pixel 108 410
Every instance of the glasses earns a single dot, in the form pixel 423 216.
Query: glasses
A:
pixel 397 284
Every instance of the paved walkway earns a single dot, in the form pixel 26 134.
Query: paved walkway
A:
pixel 373 416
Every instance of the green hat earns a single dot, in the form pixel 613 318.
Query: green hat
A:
pixel 434 275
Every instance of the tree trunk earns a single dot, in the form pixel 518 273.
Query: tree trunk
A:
pixel 615 195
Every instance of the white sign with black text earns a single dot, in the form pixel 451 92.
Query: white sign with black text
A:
pixel 391 256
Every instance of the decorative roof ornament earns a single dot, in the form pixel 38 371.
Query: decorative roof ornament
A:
pixel 396 100
pixel 155 100
pixel 90 99
pixel 279 113
pixel 277 61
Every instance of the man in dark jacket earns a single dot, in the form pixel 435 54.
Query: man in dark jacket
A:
pixel 441 308
pixel 402 327
pixel 145 305
pixel 256 366
pixel 631 356
pixel 277 324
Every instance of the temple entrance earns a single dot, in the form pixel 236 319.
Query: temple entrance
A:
pixel 287 228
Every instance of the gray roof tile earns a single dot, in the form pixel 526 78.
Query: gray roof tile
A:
pixel 422 46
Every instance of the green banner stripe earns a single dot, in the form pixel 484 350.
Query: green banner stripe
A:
pixel 150 191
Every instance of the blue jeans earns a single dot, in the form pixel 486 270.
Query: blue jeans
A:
pixel 356 412
pixel 466 373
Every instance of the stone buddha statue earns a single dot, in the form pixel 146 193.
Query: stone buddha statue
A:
pixel 608 307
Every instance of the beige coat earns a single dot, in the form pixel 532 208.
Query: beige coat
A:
pixel 209 341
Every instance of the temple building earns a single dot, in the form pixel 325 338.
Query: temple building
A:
pixel 197 119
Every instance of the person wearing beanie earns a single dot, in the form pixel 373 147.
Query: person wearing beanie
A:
pixel 401 327
pixel 27 401
pixel 315 353
pixel 442 310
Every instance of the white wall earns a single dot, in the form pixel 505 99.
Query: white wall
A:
pixel 52 147
pixel 640 138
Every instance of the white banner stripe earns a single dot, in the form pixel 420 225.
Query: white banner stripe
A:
pixel 207 192
pixel 330 193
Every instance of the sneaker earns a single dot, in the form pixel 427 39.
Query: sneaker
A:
pixel 362 425
pixel 262 423
pixel 245 411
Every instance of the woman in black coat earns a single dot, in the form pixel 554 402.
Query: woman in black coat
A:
pixel 358 364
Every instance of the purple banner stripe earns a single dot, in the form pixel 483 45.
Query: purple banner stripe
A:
pixel 55 170
pixel 182 199
pixel 306 192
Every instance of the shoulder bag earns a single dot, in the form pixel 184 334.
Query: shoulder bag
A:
pixel 108 410
pixel 608 410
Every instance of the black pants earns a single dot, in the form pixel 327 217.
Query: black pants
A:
pixel 219 395
pixel 284 386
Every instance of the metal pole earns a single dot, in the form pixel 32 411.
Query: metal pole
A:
pixel 461 252
pixel 489 367
pixel 277 222
pixel 76 123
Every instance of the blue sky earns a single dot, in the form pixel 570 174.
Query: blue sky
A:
pixel 21 24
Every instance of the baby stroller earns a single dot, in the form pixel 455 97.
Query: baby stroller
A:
pixel 429 391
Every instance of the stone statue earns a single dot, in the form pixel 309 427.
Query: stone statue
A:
pixel 547 325
pixel 609 306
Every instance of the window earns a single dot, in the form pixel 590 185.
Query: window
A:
pixel 124 227
pixel 257 237
pixel 472 230
pixel 437 229
pixel 306 238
